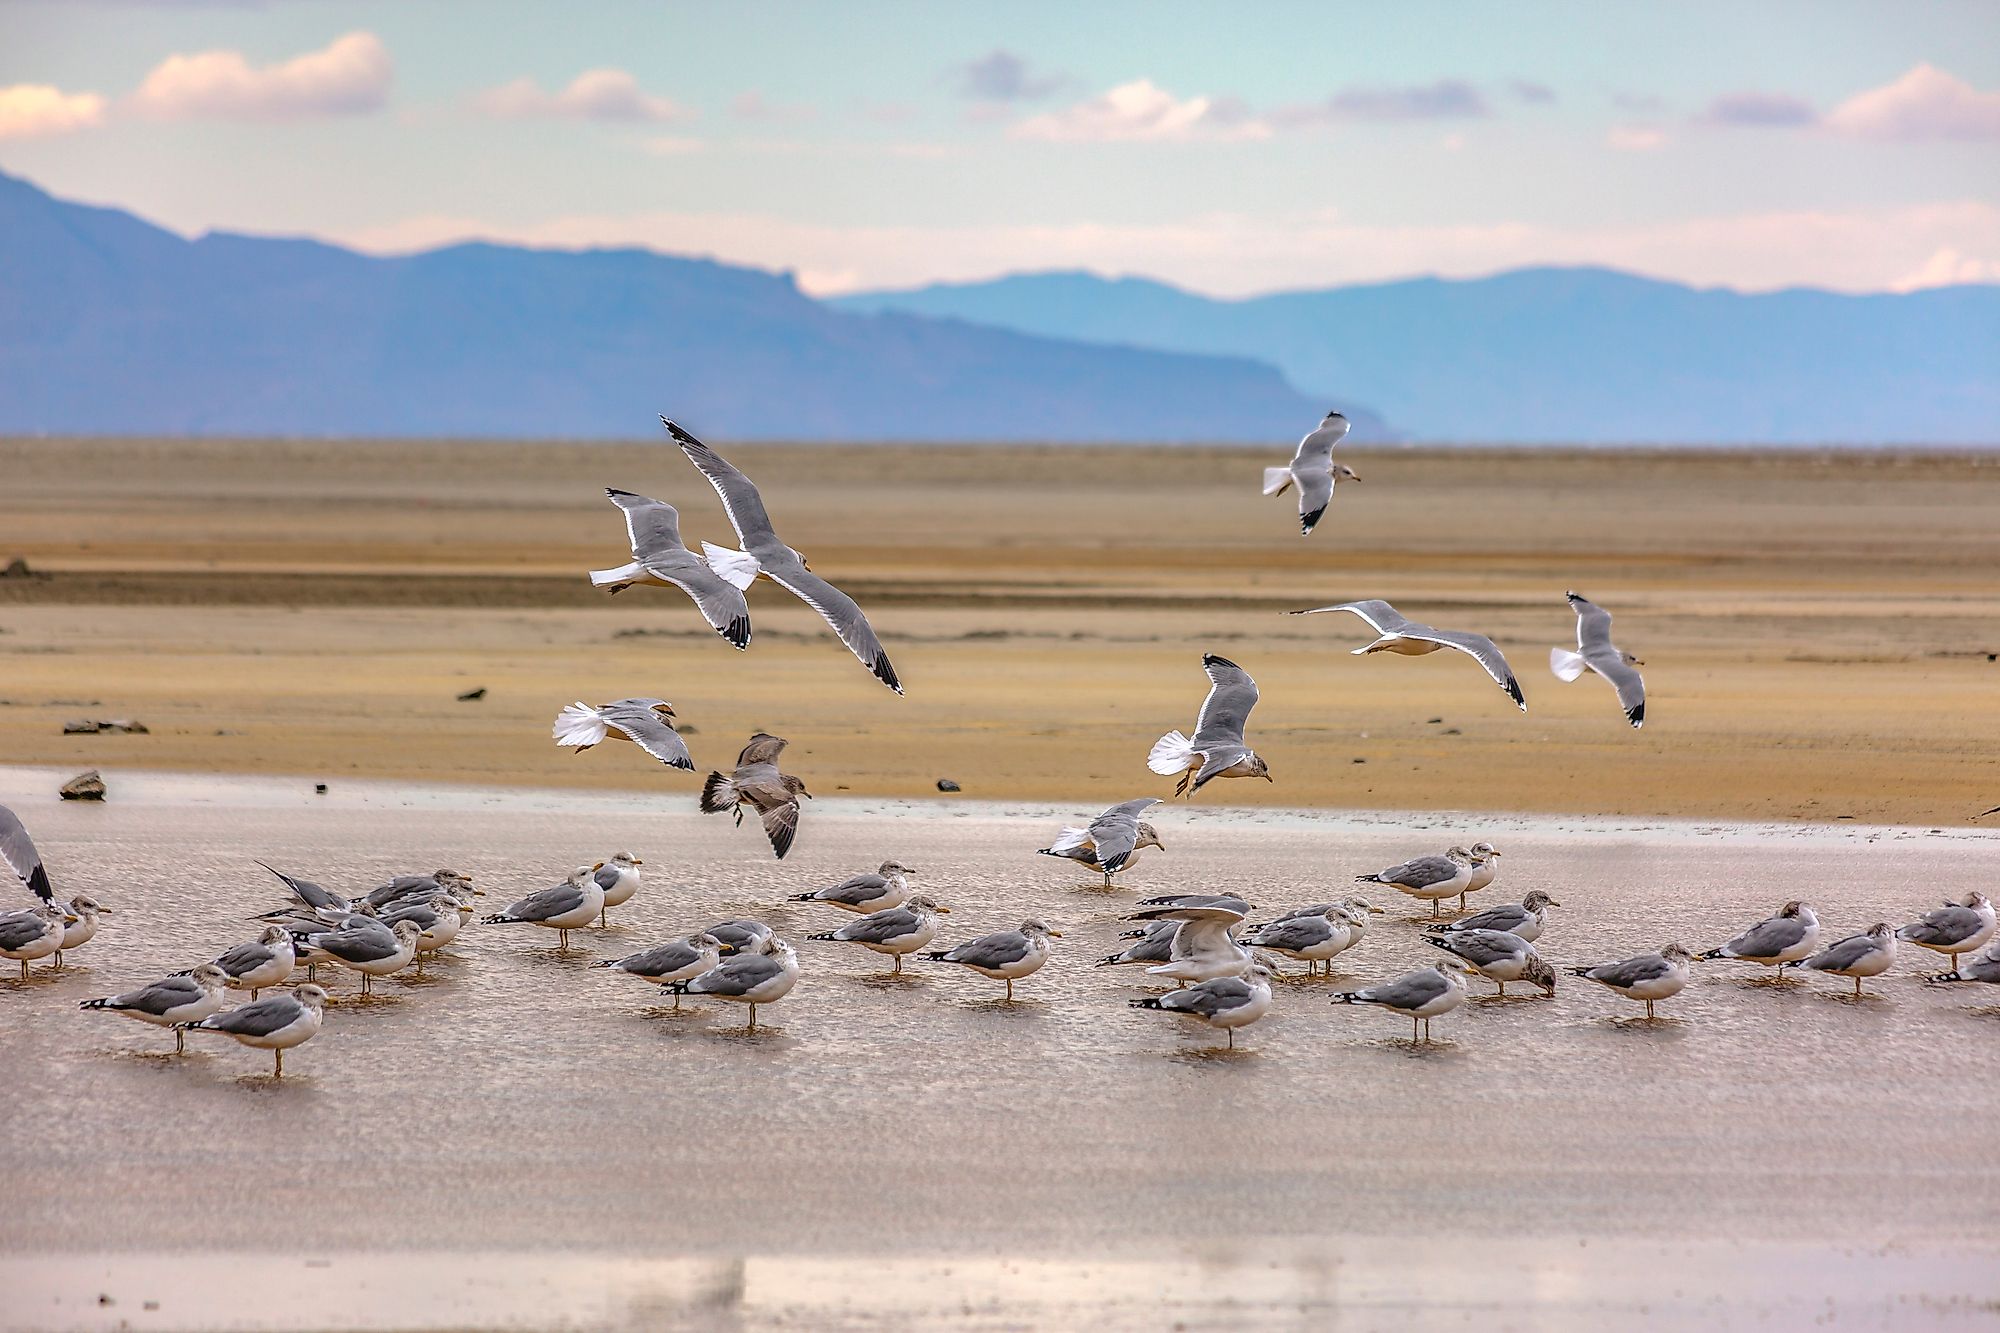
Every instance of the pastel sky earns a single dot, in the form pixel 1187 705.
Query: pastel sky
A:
pixel 1232 148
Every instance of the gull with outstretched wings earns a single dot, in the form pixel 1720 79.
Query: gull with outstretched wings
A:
pixel 1313 471
pixel 1216 750
pixel 1396 633
pixel 1596 652
pixel 658 557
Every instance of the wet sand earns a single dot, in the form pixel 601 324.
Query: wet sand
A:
pixel 544 1145
pixel 1818 630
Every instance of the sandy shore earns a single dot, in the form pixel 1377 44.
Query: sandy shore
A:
pixel 913 1153
pixel 1817 631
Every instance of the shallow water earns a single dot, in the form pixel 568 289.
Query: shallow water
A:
pixel 534 1143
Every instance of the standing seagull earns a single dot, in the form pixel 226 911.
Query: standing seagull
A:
pixel 1410 638
pixel 1595 652
pixel 1421 995
pixel 1314 937
pixel 1313 470
pixel 677 960
pixel 371 951
pixel 170 1002
pixel 658 557
pixel 893 930
pixel 1986 968
pixel 32 933
pixel 17 849
pixel 264 961
pixel 758 784
pixel 1775 941
pixel 1155 944
pixel 764 977
pixel 1498 955
pixel 1865 955
pixel 563 907
pixel 1112 841
pixel 885 886
pixel 275 1023
pixel 619 878
pixel 1525 918
pixel 1223 1002
pixel 764 554
pixel 1432 877
pixel 641 721
pixel 1953 929
pixel 1217 750
pixel 1005 955
pixel 81 927
pixel 1646 977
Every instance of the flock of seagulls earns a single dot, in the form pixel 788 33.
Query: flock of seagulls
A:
pixel 1220 965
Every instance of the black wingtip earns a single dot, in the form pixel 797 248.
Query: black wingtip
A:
pixel 685 765
pixel 1637 717
pixel 822 935
pixel 1216 659
pixel 1306 521
pixel 737 632
pixel 680 436
pixel 1513 688
pixel 612 493
pixel 38 880
pixel 1148 1003
pixel 886 673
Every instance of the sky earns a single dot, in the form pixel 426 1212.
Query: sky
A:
pixel 1229 148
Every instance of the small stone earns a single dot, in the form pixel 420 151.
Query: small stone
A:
pixel 85 786
pixel 17 568
pixel 1452 731
pixel 473 696
pixel 320 787
pixel 1360 761
pixel 125 725
pixel 1435 720
pixel 946 784
pixel 81 726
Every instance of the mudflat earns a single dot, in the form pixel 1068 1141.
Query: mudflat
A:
pixel 1819 630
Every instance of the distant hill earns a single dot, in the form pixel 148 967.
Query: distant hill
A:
pixel 1560 355
pixel 109 324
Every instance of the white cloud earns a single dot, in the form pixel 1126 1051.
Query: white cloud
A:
pixel 350 75
pixel 33 110
pixel 1947 268
pixel 1635 138
pixel 1926 103
pixel 595 94
pixel 1142 111
pixel 1237 254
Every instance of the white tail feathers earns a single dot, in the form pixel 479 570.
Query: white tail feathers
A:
pixel 1276 479
pixel 622 577
pixel 1172 753
pixel 1566 664
pixel 737 567
pixel 1069 840
pixel 579 725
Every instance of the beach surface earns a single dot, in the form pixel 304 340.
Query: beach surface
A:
pixel 516 1140
pixel 1819 630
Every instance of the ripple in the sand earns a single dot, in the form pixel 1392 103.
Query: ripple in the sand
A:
pixel 1209 1056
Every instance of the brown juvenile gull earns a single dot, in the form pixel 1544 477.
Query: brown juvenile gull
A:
pixel 893 930
pixel 1112 841
pixel 1411 638
pixel 1313 470
pixel 1646 977
pixel 17 849
pixel 1596 652
pixel 758 784
pixel 1868 954
pixel 1954 928
pixel 1217 749
pixel 642 721
pixel 1005 955
pixel 1775 941
pixel 1227 1002
pixel 763 554
pixel 182 998
pixel 275 1023
pixel 658 557
pixel 885 886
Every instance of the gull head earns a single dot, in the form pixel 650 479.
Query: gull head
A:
pixel 1363 906
pixel 274 935
pixel 311 996
pixel 1881 930
pixel 1537 900
pixel 406 932
pixel 703 942
pixel 1450 965
pixel 796 786
pixel 1540 974
pixel 890 869
pixel 1342 470
pixel 1460 855
pixel 1674 953
pixel 1258 768
pixel 1975 900
pixel 921 903
pixel 625 860
pixel 1148 837
pixel 1482 852
pixel 1630 659
pixel 85 907
pixel 582 874
pixel 1793 908
pixel 1256 970
pixel 1036 928
pixel 209 977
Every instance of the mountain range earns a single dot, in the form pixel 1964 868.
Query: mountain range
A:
pixel 1577 355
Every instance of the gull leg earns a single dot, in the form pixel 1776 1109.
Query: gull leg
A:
pixel 1231 1034
pixel 899 962
pixel 753 1018
pixel 278 1071
pixel 1857 988
pixel 1461 902
pixel 1436 911
pixel 58 960
pixel 253 992
pixel 1413 1031
pixel 1010 990
pixel 180 1042
pixel 1649 1011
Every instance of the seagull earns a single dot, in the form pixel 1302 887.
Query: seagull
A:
pixel 17 849
pixel 437 920
pixel 1484 856
pixel 676 960
pixel 1360 909
pixel 1646 977
pixel 1953 929
pixel 32 933
pixel 619 878
pixel 888 885
pixel 1432 877
pixel 265 961
pixel 1227 1002
pixel 1313 470
pixel 1525 918
pixel 417 888
pixel 1316 937
pixel 764 977
pixel 641 721
pixel 1498 955
pixel 312 896
pixel 1006 955
pixel 1595 652
pixel 758 784
pixel 275 1023
pixel 1410 638
pixel 1865 955
pixel 659 558
pixel 372 951
pixel 1113 840
pixel 1228 900
pixel 563 907
pixel 169 1002
pixel 741 935
pixel 1205 947
pixel 1985 967
pixel 1790 935
pixel 1422 994
pixel 81 926
pixel 1155 944
pixel 764 554
pixel 895 931
pixel 1217 750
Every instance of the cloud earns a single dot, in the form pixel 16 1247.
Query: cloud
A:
pixel 752 105
pixel 34 110
pixel 1140 111
pixel 1527 90
pixel 1002 76
pixel 1635 138
pixel 1235 254
pixel 1925 103
pixel 1447 99
pixel 351 75
pixel 1759 111
pixel 595 94
pixel 1947 268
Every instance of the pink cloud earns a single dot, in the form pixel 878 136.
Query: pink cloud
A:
pixel 35 110
pixel 595 94
pixel 1143 111
pixel 1925 103
pixel 350 75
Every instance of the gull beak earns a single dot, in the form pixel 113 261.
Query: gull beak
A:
pixel 106 911
pixel 945 911
pixel 1554 903
pixel 637 862
pixel 1055 934
pixel 1269 778
pixel 598 866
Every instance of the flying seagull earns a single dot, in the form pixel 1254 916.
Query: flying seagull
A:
pixel 658 557
pixel 641 721
pixel 1112 841
pixel 764 554
pixel 758 784
pixel 1217 749
pixel 1313 470
pixel 1595 652
pixel 1410 638
pixel 18 850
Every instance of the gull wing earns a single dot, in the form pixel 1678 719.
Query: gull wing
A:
pixel 838 610
pixel 1593 624
pixel 720 602
pixel 18 850
pixel 649 731
pixel 1481 650
pixel 1226 710
pixel 740 498
pixel 1381 617
pixel 763 748
pixel 1116 832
